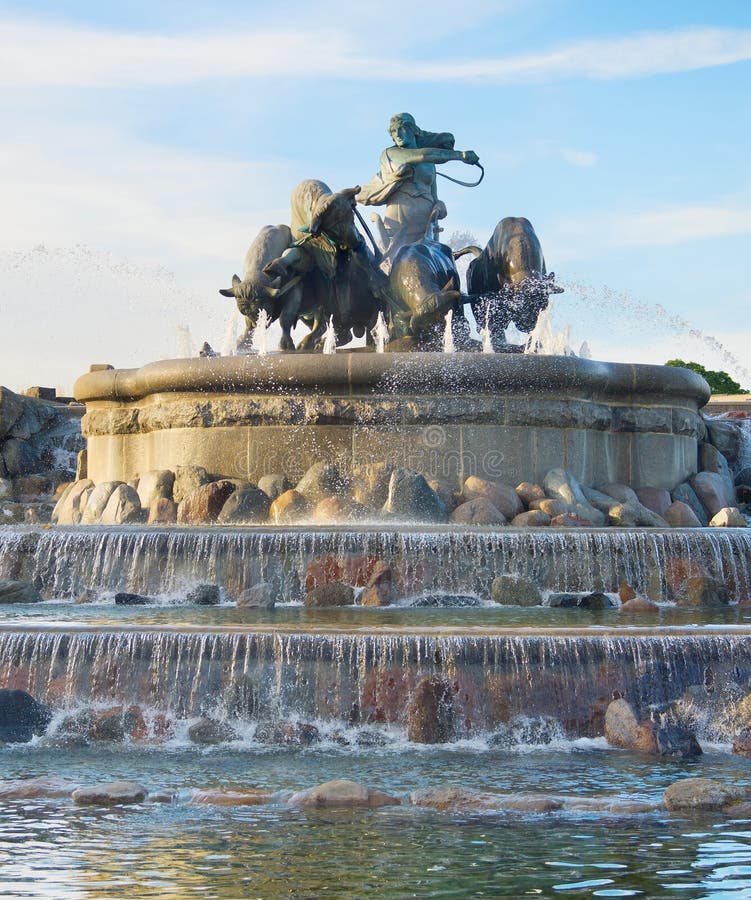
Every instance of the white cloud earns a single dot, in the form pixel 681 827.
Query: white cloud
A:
pixel 36 54
pixel 680 225
pixel 583 158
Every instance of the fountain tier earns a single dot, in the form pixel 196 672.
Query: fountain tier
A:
pixel 503 417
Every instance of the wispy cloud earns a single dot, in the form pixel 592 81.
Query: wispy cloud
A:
pixel 37 54
pixel 680 225
pixel 583 158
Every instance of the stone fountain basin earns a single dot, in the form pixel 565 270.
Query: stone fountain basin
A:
pixel 504 417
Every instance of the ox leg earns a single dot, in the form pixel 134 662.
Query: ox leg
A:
pixel 311 341
pixel 432 308
pixel 288 318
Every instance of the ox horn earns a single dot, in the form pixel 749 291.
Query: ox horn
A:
pixel 231 292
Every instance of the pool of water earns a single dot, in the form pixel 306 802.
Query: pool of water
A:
pixel 51 848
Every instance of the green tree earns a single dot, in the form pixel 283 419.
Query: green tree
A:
pixel 719 382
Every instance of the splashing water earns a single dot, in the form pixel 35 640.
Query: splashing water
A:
pixel 485 335
pixel 259 333
pixel 448 336
pixel 380 334
pixel 186 347
pixel 543 340
pixel 329 338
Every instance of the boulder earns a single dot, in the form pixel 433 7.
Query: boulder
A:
pixel 21 716
pixel 205 503
pixel 204 595
pixel 684 493
pixel 477 512
pixel 430 712
pixel 123 507
pixel 633 514
pixel 211 731
pixel 445 490
pixel 20 457
pixel 702 591
pixel 11 409
pixel 655 499
pixel 699 794
pixel 620 492
pixel 502 496
pixel 331 509
pixel 321 480
pixel 72 502
pixel 97 502
pixel 742 744
pixel 123 598
pixel 550 507
pixel 561 485
pixel 6 489
pixel 459 799
pixel 379 590
pixel 680 515
pixel 245 505
pixel 288 507
pixel 341 793
pixel 728 517
pixel 600 501
pixel 162 512
pixel 528 492
pixel 28 488
pixel 638 605
pixel 248 797
pixel 532 518
pixel 332 594
pixel 596 600
pixel 111 794
pixel 511 590
pixel 187 479
pixel 155 484
pixel 410 497
pixel 31 788
pixel 625 592
pixel 260 596
pixel 727 437
pixel 348 568
pixel 288 734
pixel 370 487
pixel 18 592
pixel 569 520
pixel 623 729
pixel 742 478
pixel 273 485
pixel 677 742
pixel 713 492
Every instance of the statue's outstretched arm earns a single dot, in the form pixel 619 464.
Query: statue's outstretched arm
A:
pixel 404 156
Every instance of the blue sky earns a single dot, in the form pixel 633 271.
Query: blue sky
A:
pixel 144 144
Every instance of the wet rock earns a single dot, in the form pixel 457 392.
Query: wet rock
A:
pixel 511 590
pixel 288 734
pixel 728 517
pixel 380 590
pixel 21 716
pixel 371 486
pixel 97 502
pixel 569 520
pixel 430 712
pixel 702 591
pixel 6 489
pixel 459 799
pixel 684 493
pixel 680 515
pixel 742 478
pixel 187 479
pixel 445 491
pixel 72 502
pixel 341 793
pixel 677 742
pixel 620 492
pixel 442 600
pixel 321 480
pixel 273 485
pixel 162 512
pixel 230 798
pixel 204 595
pixel 634 514
pixel 27 488
pixel 502 496
pixel 563 600
pixel 260 596
pixel 700 794
pixel 533 518
pixel 596 600
pixel 18 592
pixel 742 744
pixel 11 410
pixel 550 508
pixel 123 507
pixel 331 509
pixel 598 499
pixel 205 503
pixel 31 788
pixel 711 460
pixel 111 725
pixel 155 484
pixel 288 508
pixel 211 731
pixel 410 497
pixel 626 592
pixel 623 729
pixel 332 594
pixel 638 605
pixel 561 485
pixel 478 512
pixel 713 492
pixel 20 457
pixel 525 731
pixel 111 794
pixel 655 499
pixel 727 437
pixel 124 598
pixel 247 505
pixel 528 492
pixel 348 568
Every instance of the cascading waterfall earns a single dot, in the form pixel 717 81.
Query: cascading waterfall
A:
pixel 63 563
pixel 360 678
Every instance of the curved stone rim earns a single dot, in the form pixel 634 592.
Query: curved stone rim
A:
pixel 394 373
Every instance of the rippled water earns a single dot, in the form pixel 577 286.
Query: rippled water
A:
pixel 51 848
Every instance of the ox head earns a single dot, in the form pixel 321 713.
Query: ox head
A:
pixel 333 216
pixel 254 295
